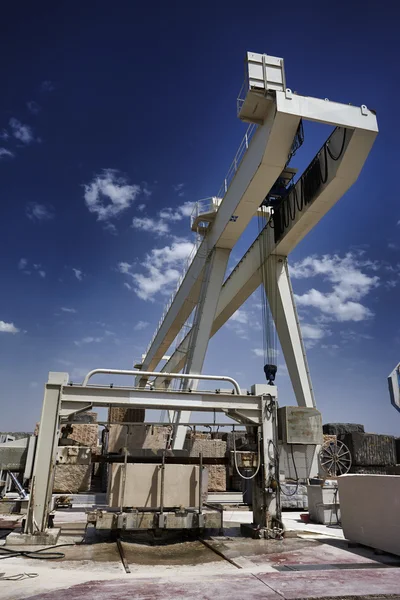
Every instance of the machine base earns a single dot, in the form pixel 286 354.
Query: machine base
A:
pixel 46 538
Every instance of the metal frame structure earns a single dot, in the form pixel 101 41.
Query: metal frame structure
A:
pixel 275 114
pixel 62 400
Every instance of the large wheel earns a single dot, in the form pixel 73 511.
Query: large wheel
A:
pixel 335 458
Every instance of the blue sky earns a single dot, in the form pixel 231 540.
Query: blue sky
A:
pixel 113 119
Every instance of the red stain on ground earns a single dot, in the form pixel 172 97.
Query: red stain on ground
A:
pixel 267 586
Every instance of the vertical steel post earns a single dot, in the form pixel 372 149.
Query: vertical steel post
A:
pixel 200 483
pixel 124 469
pixel 281 300
pixel 43 471
pixel 264 497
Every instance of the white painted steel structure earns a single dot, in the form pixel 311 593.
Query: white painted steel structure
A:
pixel 62 400
pixel 394 387
pixel 275 114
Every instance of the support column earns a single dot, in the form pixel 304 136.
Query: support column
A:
pixel 43 472
pixel 283 308
pixel 214 273
pixel 266 501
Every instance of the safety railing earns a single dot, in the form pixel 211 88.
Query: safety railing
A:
pixel 243 147
pixel 241 96
pixel 165 375
pixel 185 267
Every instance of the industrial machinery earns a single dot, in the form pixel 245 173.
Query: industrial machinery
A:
pixel 259 183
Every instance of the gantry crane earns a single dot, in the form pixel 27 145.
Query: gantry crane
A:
pixel 259 180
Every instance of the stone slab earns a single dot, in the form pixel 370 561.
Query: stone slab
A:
pixel 370 510
pixel 143 485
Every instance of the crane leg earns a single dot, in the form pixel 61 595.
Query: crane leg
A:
pixel 200 334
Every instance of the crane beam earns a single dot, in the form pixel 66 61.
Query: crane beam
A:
pixel 260 166
pixel 348 150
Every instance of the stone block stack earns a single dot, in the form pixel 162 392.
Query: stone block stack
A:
pixel 203 442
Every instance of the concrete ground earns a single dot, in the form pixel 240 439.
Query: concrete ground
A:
pixel 315 563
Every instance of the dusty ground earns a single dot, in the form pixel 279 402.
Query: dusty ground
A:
pixel 318 564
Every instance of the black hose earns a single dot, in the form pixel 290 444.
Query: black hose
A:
pixel 335 158
pixel 297 477
pixel 42 554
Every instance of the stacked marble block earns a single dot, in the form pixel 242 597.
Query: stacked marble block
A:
pixel 73 472
pixel 216 448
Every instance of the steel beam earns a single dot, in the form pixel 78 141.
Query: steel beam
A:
pixel 105 396
pixel 280 298
pixel 200 334
pixel 342 173
pixel 260 167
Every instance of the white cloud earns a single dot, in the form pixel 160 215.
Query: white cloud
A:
pixel 349 285
pixel 239 323
pixel 313 334
pixel 109 194
pixel 4 152
pixel 140 325
pixel 179 188
pixel 78 274
pixel 33 107
pixel 146 224
pixel 23 266
pixel 4 135
pixel 124 267
pixel 47 86
pixel 162 267
pixel 392 283
pixel 68 310
pixel 88 340
pixel 21 132
pixel 258 352
pixel 178 213
pixel 40 271
pixel 146 190
pixel 141 207
pixel 8 327
pixel 240 316
pixel 65 363
pixel 39 212
pixel 392 246
pixel 129 287
pixel 271 352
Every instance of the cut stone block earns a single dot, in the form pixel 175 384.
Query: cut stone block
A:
pixel 370 510
pixel 72 479
pixel 143 486
pixel 216 478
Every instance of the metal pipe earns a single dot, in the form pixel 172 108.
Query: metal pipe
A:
pixel 165 375
pixel 162 484
pixel 124 469
pixel 200 483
